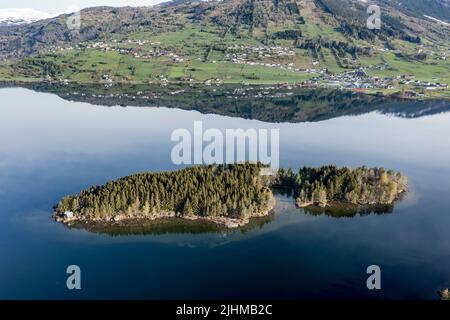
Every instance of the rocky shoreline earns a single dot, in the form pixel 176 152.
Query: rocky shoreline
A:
pixel 228 222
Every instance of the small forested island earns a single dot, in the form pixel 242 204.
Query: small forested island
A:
pixel 330 185
pixel 225 194
pixel 229 195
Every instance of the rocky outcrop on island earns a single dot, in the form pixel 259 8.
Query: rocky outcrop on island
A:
pixel 445 294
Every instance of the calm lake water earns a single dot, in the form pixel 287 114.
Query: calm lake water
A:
pixel 50 147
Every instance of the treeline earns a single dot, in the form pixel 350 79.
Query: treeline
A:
pixel 287 34
pixel 341 48
pixel 233 191
pixel 262 13
pixel 38 67
pixel 361 186
pixel 236 190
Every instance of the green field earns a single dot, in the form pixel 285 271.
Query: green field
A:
pixel 202 51
pixel 433 70
pixel 90 65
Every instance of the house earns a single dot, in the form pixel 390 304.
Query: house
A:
pixel 408 76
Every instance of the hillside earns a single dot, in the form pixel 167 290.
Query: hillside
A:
pixel 233 41
pixel 419 8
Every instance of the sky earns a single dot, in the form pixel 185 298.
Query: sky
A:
pixel 57 6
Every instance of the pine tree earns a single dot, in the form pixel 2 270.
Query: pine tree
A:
pixel 187 211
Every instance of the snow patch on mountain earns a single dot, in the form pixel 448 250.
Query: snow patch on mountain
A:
pixel 16 16
pixel 437 20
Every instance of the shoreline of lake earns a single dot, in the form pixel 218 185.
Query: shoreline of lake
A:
pixel 124 221
pixel 386 93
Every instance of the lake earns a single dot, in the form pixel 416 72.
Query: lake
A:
pixel 50 147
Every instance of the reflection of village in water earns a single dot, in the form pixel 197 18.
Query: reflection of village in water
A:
pixel 268 103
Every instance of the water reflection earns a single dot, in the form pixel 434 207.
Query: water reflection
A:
pixel 177 226
pixel 349 211
pixel 264 103
pixel 166 226
pixel 51 147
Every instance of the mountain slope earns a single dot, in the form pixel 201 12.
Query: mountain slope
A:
pixel 231 41
pixel 256 16
pixel 439 9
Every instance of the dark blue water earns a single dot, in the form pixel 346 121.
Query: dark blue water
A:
pixel 50 147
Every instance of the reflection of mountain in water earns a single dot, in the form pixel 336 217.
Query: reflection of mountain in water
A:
pixel 415 109
pixel 264 103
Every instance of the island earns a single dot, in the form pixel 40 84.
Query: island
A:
pixel 229 195
pixel 332 186
pixel 224 194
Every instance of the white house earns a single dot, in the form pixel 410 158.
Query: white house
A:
pixel 68 214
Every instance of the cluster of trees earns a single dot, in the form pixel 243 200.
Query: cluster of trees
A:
pixel 287 34
pixel 361 186
pixel 38 67
pixel 260 14
pixel 236 190
pixel 339 49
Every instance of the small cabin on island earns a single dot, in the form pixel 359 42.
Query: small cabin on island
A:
pixel 68 214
